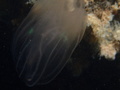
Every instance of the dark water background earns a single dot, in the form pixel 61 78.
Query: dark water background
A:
pixel 100 74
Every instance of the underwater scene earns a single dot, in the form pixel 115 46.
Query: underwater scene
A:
pixel 60 44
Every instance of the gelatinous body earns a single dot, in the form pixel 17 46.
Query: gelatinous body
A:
pixel 46 39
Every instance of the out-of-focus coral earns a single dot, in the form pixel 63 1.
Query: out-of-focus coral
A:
pixel 31 1
pixel 101 18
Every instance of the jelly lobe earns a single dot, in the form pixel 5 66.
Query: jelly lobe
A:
pixel 46 39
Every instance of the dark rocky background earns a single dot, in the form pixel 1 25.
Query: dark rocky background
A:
pixel 87 72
